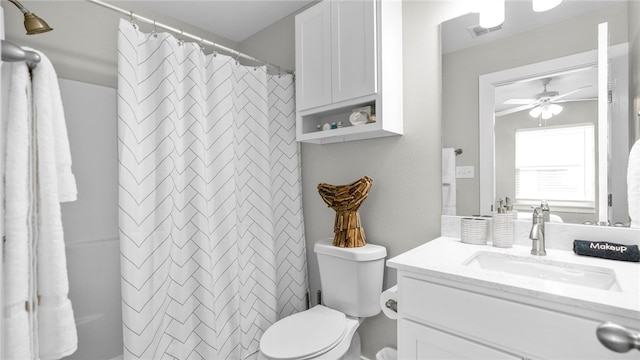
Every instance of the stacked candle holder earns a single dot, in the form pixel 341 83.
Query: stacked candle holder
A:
pixel 502 230
pixel 474 231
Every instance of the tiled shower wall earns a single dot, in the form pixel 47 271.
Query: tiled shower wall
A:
pixel 91 222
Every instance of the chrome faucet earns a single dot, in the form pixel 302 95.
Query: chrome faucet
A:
pixel 537 231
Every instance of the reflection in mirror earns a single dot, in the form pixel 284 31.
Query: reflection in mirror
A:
pixel 544 146
pixel 524 106
pixel 540 155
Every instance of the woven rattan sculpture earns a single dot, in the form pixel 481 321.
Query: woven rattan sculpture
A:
pixel 346 200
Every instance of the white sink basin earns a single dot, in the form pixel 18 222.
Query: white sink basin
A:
pixel 533 267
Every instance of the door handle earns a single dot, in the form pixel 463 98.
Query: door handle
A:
pixel 617 338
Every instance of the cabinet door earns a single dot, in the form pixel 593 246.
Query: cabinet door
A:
pixel 353 25
pixel 313 56
pixel 417 341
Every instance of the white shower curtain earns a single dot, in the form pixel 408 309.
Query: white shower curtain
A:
pixel 212 239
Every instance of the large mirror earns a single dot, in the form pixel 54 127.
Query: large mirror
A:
pixel 544 102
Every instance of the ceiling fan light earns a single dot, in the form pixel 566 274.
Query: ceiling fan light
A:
pixel 535 112
pixel 544 5
pixel 546 115
pixel 555 109
pixel 492 13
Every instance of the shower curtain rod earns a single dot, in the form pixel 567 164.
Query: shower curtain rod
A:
pixel 199 39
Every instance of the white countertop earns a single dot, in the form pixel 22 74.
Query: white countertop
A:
pixel 445 257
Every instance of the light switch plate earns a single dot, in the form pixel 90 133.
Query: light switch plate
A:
pixel 465 172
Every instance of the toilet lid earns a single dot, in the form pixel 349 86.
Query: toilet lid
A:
pixel 304 334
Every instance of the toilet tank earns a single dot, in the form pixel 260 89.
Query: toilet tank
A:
pixel 351 278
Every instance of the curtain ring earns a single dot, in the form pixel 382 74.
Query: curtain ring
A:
pixel 180 40
pixel 135 26
pixel 215 53
pixel 154 32
pixel 279 72
pixel 202 45
pixel 238 58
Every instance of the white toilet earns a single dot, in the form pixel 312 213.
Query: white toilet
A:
pixel 351 280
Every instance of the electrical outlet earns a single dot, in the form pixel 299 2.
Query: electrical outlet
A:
pixel 465 172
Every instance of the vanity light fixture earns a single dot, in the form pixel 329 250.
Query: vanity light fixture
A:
pixel 492 13
pixel 544 5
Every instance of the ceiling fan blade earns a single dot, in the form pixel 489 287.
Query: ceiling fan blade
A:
pixel 575 100
pixel 553 99
pixel 515 109
pixel 515 101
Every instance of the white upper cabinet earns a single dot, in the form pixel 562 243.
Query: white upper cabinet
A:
pixel 313 56
pixel 341 67
pixel 353 49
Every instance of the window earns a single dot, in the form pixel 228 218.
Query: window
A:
pixel 556 164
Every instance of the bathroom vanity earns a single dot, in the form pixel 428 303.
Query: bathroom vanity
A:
pixel 461 301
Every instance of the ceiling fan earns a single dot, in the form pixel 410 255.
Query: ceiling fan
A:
pixel 544 104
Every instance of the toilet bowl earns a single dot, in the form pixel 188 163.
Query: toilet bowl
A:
pixel 318 333
pixel 351 280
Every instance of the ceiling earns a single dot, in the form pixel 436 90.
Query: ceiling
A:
pixel 235 20
pixel 519 17
pixel 239 19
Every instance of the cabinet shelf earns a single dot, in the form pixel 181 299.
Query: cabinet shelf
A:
pixel 349 133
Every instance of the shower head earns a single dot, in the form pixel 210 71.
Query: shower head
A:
pixel 32 22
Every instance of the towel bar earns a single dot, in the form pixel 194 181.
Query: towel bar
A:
pixel 12 53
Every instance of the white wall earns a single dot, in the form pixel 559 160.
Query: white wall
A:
pixel 403 208
pixel 462 68
pixel 276 43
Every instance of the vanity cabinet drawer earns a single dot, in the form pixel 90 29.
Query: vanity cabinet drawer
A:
pixel 417 341
pixel 512 326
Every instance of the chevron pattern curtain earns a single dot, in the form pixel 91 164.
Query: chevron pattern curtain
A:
pixel 211 231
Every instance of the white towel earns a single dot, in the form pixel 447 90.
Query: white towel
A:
pixel 448 181
pixel 633 185
pixel 17 335
pixel 448 165
pixel 18 218
pixel 57 334
pixel 56 328
pixel 49 101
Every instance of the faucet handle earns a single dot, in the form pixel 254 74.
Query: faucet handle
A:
pixel 545 210
pixel 544 205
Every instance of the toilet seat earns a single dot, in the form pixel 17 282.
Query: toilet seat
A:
pixel 304 335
